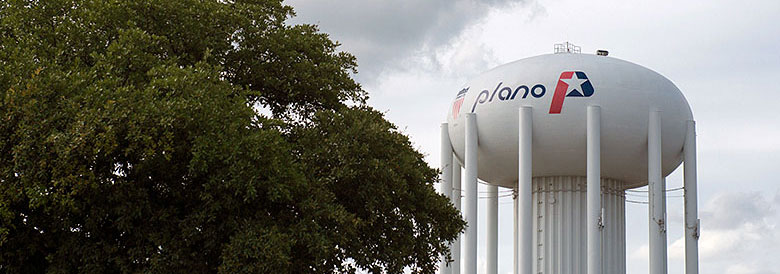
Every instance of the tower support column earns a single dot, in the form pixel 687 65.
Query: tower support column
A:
pixel 524 196
pixel 595 221
pixel 491 248
pixel 470 191
pixel 446 182
pixel 657 196
pixel 691 207
pixel 456 197
pixel 515 235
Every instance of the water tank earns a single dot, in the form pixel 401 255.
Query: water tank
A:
pixel 559 87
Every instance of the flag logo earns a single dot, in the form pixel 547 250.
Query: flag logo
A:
pixel 570 84
pixel 458 102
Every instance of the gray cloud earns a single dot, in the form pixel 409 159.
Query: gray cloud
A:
pixel 384 35
pixel 777 197
pixel 732 210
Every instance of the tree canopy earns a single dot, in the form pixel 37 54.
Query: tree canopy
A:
pixel 131 140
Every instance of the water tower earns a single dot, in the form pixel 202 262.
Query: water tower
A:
pixel 569 133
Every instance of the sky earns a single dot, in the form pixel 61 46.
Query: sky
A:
pixel 414 56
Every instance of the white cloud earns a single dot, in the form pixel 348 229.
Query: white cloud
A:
pixel 739 233
pixel 677 249
pixel 747 269
pixel 729 210
pixel 465 57
pixel 641 253
pixel 720 243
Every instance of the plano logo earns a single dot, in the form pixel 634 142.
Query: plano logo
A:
pixel 458 102
pixel 570 84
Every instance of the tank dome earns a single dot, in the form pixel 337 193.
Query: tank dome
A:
pixel 559 87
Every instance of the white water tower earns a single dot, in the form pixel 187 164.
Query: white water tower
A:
pixel 570 133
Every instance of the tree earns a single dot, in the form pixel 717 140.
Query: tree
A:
pixel 131 141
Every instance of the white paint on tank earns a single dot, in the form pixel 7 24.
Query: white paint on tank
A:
pixel 626 92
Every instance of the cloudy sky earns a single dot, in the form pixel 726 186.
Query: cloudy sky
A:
pixel 724 55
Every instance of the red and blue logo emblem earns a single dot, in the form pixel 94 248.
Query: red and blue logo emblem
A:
pixel 458 102
pixel 570 84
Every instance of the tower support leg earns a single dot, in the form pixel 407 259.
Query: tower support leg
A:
pixel 657 196
pixel 470 191
pixel 524 203
pixel 515 235
pixel 595 218
pixel 456 197
pixel 446 182
pixel 691 208
pixel 491 256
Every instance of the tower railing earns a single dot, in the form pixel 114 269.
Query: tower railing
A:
pixel 567 47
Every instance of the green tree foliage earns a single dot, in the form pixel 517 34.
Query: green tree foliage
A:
pixel 130 141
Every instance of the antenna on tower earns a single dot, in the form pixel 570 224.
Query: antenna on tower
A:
pixel 566 47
